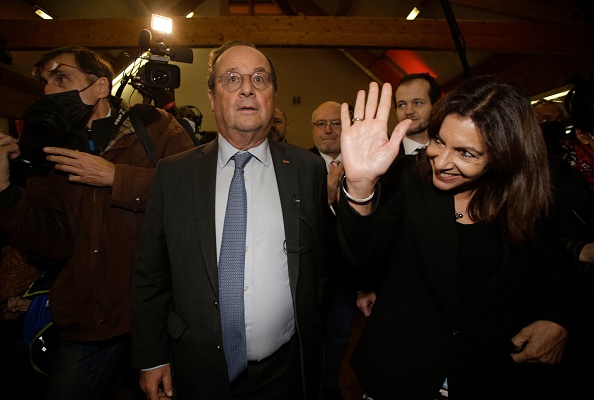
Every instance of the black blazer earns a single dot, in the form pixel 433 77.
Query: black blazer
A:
pixel 175 314
pixel 418 333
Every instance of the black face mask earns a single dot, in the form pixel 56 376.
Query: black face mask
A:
pixel 73 109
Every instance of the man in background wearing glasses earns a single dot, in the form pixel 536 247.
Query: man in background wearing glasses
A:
pixel 181 325
pixel 326 128
pixel 86 209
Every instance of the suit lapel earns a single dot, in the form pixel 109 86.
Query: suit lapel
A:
pixel 204 173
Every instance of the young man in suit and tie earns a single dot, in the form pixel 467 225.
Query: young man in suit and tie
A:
pixel 414 98
pixel 180 337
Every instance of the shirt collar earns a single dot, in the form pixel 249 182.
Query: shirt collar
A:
pixel 328 159
pixel 226 151
pixel 411 147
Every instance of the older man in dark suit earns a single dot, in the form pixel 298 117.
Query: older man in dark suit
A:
pixel 180 330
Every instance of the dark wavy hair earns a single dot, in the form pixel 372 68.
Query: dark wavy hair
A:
pixel 87 60
pixel 434 88
pixel 516 187
pixel 216 53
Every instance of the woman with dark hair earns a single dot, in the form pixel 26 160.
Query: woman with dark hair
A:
pixel 475 283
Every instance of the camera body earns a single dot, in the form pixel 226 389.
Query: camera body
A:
pixel 45 125
pixel 49 121
pixel 157 72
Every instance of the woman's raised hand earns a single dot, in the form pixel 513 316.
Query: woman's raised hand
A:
pixel 367 151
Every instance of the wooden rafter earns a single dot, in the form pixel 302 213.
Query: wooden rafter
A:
pixel 337 32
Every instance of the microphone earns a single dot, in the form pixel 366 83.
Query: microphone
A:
pixel 144 40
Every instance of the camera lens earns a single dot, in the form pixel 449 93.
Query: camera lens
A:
pixel 160 77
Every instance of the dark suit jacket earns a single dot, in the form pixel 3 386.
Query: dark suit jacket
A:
pixel 418 333
pixel 341 275
pixel 175 314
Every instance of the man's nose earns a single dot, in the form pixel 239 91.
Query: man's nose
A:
pixel 247 88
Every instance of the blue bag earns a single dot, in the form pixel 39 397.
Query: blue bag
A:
pixel 40 334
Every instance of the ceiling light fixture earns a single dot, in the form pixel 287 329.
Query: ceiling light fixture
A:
pixel 42 13
pixel 190 14
pixel 413 14
pixel 557 95
pixel 162 24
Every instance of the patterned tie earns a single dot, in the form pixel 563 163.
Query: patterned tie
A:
pixel 231 268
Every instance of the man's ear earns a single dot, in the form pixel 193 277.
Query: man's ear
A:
pixel 103 87
pixel 211 99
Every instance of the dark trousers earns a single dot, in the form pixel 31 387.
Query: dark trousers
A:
pixel 85 371
pixel 277 377
pixel 336 335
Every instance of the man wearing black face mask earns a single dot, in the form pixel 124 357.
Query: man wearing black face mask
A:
pixel 88 211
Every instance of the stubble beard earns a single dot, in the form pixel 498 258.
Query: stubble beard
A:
pixel 417 130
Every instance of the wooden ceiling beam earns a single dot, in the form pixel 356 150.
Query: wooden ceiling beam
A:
pixel 299 31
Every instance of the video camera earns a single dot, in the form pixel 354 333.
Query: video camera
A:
pixel 157 72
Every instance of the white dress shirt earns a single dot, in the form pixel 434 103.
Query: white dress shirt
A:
pixel 329 160
pixel 269 316
pixel 411 147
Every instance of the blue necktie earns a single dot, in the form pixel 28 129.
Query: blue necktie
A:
pixel 231 268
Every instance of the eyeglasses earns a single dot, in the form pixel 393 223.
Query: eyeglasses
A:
pixel 321 125
pixel 54 65
pixel 232 81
